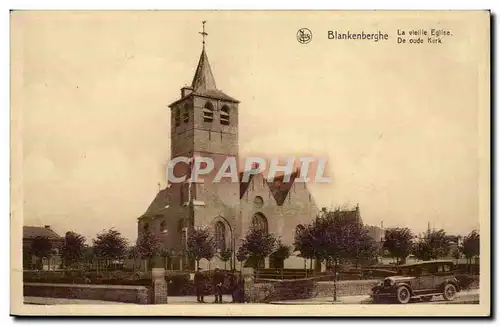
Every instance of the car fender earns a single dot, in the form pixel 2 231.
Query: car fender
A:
pixel 454 282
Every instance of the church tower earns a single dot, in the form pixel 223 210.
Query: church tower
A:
pixel 204 119
pixel 204 122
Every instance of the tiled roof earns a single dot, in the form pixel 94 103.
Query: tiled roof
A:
pixel 215 93
pixel 280 188
pixel 31 232
pixel 203 78
pixel 204 82
pixel 159 203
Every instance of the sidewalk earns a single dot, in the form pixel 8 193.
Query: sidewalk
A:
pixel 171 300
pixel 57 301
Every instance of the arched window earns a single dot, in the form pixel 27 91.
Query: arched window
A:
pixel 177 117
pixel 224 115
pixel 259 222
pixel 220 236
pixel 146 227
pixel 185 113
pixel 208 112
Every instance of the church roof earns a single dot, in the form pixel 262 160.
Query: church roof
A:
pixel 160 202
pixel 203 83
pixel 203 78
pixel 278 187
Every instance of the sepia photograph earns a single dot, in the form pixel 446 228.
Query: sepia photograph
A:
pixel 250 163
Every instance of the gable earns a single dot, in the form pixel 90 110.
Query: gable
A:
pixel 278 187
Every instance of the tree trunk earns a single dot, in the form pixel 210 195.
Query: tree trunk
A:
pixel 197 264
pixel 335 280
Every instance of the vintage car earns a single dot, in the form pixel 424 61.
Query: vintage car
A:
pixel 422 281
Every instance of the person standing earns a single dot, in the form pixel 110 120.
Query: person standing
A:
pixel 199 283
pixel 240 289
pixel 218 281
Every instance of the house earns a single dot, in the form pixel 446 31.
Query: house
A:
pixel 30 261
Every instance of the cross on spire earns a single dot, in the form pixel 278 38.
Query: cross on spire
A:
pixel 203 33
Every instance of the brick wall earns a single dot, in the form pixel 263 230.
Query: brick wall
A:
pixel 116 293
pixel 345 288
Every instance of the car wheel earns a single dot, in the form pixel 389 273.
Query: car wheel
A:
pixel 403 295
pixel 427 298
pixel 449 292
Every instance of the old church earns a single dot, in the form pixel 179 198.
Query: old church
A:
pixel 204 122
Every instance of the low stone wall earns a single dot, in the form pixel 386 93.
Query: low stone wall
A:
pixel 345 288
pixel 360 287
pixel 279 290
pixel 116 293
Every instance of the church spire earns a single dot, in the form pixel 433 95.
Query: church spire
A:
pixel 203 78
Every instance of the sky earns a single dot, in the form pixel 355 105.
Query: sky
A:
pixel 398 123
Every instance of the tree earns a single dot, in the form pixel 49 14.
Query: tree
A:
pixel 456 254
pixel 133 254
pixel 209 256
pixel 27 258
pixel 110 245
pixel 258 244
pixel 470 247
pixel 200 245
pixel 433 245
pixel 241 255
pixel 398 241
pixel 148 247
pixel 73 248
pixel 304 243
pixel 337 236
pixel 225 256
pixel 281 253
pixel 440 243
pixel 41 247
pixel 421 250
pixel 367 248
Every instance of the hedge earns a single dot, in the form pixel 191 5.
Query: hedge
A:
pixel 179 283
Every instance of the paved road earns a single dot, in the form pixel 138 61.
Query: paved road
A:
pixel 462 297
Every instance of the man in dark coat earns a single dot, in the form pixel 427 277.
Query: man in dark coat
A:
pixel 218 281
pixel 199 283
pixel 238 289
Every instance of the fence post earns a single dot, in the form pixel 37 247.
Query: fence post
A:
pixel 249 278
pixel 159 287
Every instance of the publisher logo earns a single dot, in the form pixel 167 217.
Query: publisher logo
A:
pixel 304 35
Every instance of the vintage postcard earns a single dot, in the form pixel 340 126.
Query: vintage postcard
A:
pixel 250 163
